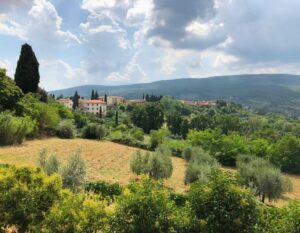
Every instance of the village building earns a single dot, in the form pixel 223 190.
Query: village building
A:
pixel 66 102
pixel 113 100
pixel 96 107
pixel 199 102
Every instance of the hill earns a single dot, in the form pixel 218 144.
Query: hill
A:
pixel 272 92
pixel 105 161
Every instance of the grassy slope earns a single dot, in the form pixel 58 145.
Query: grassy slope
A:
pixel 105 161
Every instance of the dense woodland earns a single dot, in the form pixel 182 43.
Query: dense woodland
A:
pixel 51 198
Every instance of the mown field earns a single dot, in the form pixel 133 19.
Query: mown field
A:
pixel 105 161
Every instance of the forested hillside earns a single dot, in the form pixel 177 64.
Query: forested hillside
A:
pixel 272 92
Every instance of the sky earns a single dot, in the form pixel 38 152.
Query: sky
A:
pixel 116 42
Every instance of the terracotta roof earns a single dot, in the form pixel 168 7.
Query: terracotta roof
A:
pixel 92 101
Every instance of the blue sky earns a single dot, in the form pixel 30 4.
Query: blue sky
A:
pixel 112 42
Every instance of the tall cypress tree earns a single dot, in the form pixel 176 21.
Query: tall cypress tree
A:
pixel 27 75
pixel 105 98
pixel 96 95
pixel 76 98
pixel 93 95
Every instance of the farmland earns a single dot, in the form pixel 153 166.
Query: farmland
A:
pixel 105 161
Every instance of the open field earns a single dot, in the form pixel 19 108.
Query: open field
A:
pixel 105 161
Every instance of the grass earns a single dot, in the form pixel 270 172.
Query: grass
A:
pixel 105 161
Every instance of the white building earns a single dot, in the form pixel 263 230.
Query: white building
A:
pixel 67 102
pixel 113 100
pixel 96 107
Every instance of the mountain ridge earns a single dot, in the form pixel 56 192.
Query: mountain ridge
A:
pixel 277 92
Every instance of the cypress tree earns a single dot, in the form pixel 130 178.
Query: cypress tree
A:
pixel 93 95
pixel 100 112
pixel 96 95
pixel 117 117
pixel 105 98
pixel 76 98
pixel 27 75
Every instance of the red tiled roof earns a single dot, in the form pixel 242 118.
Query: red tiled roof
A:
pixel 92 101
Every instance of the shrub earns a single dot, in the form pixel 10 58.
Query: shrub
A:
pixel 26 195
pixel 65 130
pixel 104 189
pixel 80 119
pixel 94 131
pixel 52 165
pixel 74 173
pixel 13 130
pixel 200 166
pixel 158 137
pixel 176 146
pixel 158 165
pixel 137 133
pixel 76 213
pixel 222 206
pixel 146 207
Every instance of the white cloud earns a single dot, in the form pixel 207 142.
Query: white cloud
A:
pixel 57 74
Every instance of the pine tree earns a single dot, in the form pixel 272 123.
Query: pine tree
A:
pixel 93 95
pixel 27 75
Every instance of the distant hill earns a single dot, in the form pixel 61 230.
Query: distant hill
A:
pixel 273 92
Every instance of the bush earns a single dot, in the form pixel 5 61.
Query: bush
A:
pixel 26 195
pixel 146 207
pixel 158 137
pixel 65 130
pixel 176 146
pixel 104 189
pixel 74 173
pixel 137 133
pixel 200 165
pixel 94 131
pixel 76 213
pixel 222 206
pixel 52 165
pixel 13 130
pixel 158 165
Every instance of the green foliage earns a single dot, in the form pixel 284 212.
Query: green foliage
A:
pixel 225 148
pixel 26 195
pixel 146 207
pixel 52 165
pixel 65 129
pixel 49 164
pixel 106 190
pixel 45 115
pixel 80 119
pixel 63 111
pixel 222 206
pixel 148 116
pixel 10 93
pixel 13 130
pixel 286 154
pixel 263 178
pixel 27 75
pixel 76 213
pixel 200 165
pixel 176 146
pixel 74 173
pixel 94 131
pixel 157 137
pixel 158 164
pixel 281 220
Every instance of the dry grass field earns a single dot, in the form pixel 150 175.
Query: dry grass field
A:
pixel 105 161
